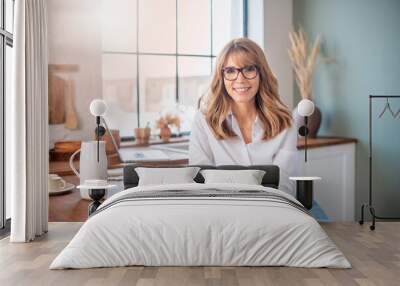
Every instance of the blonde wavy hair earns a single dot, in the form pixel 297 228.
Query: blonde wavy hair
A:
pixel 272 112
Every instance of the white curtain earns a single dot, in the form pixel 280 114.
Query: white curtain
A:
pixel 28 123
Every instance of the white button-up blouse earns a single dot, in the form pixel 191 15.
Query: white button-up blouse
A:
pixel 205 149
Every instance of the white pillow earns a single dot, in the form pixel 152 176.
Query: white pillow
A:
pixel 249 177
pixel 163 176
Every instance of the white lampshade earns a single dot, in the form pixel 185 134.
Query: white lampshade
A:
pixel 305 107
pixel 98 107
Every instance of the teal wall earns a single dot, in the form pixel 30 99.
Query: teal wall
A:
pixel 363 36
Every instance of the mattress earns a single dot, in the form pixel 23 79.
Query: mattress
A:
pixel 201 225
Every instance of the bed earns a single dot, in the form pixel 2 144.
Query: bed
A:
pixel 201 224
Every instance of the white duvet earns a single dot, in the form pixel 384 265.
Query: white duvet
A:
pixel 200 231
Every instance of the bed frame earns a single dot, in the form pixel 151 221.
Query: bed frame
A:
pixel 270 179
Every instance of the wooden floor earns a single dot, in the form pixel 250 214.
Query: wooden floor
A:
pixel 375 257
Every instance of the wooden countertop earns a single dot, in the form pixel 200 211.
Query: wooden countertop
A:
pixel 324 141
pixel 62 167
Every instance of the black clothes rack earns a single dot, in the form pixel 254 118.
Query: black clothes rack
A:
pixel 394 115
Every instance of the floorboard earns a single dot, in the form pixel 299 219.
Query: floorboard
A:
pixel 375 257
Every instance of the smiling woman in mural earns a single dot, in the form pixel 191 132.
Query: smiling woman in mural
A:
pixel 242 121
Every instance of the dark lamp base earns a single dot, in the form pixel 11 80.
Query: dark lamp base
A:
pixel 96 195
pixel 304 190
pixel 304 193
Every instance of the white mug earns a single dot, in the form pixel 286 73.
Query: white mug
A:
pixel 56 183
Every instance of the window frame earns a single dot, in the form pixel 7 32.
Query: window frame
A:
pixel 176 55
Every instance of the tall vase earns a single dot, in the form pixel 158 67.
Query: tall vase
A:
pixel 314 121
pixel 165 133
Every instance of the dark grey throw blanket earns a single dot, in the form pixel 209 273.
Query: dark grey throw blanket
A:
pixel 206 194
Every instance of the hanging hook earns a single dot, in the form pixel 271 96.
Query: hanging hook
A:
pixel 387 106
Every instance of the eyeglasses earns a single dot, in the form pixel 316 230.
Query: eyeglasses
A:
pixel 248 72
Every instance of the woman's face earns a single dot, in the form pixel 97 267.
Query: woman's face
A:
pixel 244 88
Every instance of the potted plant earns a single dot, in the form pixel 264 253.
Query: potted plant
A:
pixel 164 123
pixel 304 60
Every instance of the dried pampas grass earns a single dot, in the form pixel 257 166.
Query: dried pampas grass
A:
pixel 168 119
pixel 303 60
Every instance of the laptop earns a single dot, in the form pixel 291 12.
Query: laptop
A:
pixel 133 155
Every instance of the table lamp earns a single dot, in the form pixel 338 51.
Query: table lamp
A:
pixel 304 185
pixel 98 108
pixel 305 108
pixel 97 187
